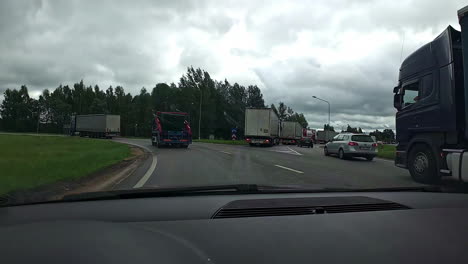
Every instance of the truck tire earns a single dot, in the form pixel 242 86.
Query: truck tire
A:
pixel 422 165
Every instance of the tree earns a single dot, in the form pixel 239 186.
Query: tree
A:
pixel 387 135
pixel 19 112
pixel 222 105
pixel 328 127
pixel 254 97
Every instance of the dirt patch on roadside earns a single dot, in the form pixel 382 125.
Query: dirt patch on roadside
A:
pixel 103 179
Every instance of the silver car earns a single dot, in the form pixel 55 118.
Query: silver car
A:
pixel 352 145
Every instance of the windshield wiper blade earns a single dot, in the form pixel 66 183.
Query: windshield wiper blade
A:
pixel 163 192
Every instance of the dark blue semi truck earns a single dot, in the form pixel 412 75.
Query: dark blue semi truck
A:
pixel 432 103
pixel 171 129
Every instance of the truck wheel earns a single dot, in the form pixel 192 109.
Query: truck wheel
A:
pixel 341 154
pixel 422 165
pixel 325 151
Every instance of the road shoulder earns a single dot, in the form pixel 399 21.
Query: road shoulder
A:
pixel 104 179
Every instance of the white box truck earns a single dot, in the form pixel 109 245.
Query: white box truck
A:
pixel 95 125
pixel 261 126
pixel 290 132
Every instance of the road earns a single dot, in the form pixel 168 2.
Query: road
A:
pixel 213 164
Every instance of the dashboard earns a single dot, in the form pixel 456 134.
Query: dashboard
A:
pixel 302 228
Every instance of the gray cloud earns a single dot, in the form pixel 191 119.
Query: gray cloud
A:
pixel 347 52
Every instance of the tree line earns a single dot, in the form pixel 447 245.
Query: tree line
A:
pixel 222 106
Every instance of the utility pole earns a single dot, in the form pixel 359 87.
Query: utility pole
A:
pixel 199 118
pixel 326 131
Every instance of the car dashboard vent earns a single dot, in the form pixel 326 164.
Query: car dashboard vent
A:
pixel 304 206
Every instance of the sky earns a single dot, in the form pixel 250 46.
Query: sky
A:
pixel 345 52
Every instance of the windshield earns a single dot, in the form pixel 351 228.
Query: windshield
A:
pixel 117 96
pixel 362 138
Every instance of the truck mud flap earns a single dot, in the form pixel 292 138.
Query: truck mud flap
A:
pixel 400 159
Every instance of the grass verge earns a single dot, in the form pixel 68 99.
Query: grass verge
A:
pixel 386 152
pixel 220 141
pixel 31 161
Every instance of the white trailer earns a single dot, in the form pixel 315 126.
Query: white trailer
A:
pixel 96 125
pixel 325 136
pixel 261 126
pixel 290 132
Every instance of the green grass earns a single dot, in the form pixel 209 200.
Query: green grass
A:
pixel 32 161
pixel 220 141
pixel 386 152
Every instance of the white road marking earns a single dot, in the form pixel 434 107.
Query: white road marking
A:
pixel 286 150
pixel 225 152
pixel 148 173
pixel 151 169
pixel 297 153
pixel 286 168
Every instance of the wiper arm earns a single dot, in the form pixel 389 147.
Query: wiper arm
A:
pixel 163 192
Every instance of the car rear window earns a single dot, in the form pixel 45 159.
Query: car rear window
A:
pixel 362 138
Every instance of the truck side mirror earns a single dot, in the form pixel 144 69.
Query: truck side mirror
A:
pixel 395 89
pixel 397 101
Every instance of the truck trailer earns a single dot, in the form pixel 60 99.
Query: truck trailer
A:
pixel 95 125
pixel 323 136
pixel 261 126
pixel 290 132
pixel 431 99
pixel 171 129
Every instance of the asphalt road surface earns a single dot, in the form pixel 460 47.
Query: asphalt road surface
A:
pixel 214 164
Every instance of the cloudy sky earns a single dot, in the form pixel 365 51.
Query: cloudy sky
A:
pixel 347 52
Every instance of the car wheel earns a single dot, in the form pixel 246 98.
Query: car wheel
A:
pixel 369 158
pixel 325 151
pixel 422 165
pixel 341 154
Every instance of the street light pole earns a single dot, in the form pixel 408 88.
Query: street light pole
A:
pixel 199 118
pixel 326 131
pixel 328 107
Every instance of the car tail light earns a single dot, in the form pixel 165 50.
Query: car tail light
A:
pixel 353 143
pixel 247 139
pixel 375 145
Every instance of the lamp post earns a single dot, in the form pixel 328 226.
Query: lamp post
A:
pixel 326 131
pixel 199 118
pixel 328 107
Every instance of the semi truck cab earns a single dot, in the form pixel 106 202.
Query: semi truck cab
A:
pixel 432 110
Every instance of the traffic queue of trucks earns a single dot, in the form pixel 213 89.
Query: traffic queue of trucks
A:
pixel 432 103
pixel 263 127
